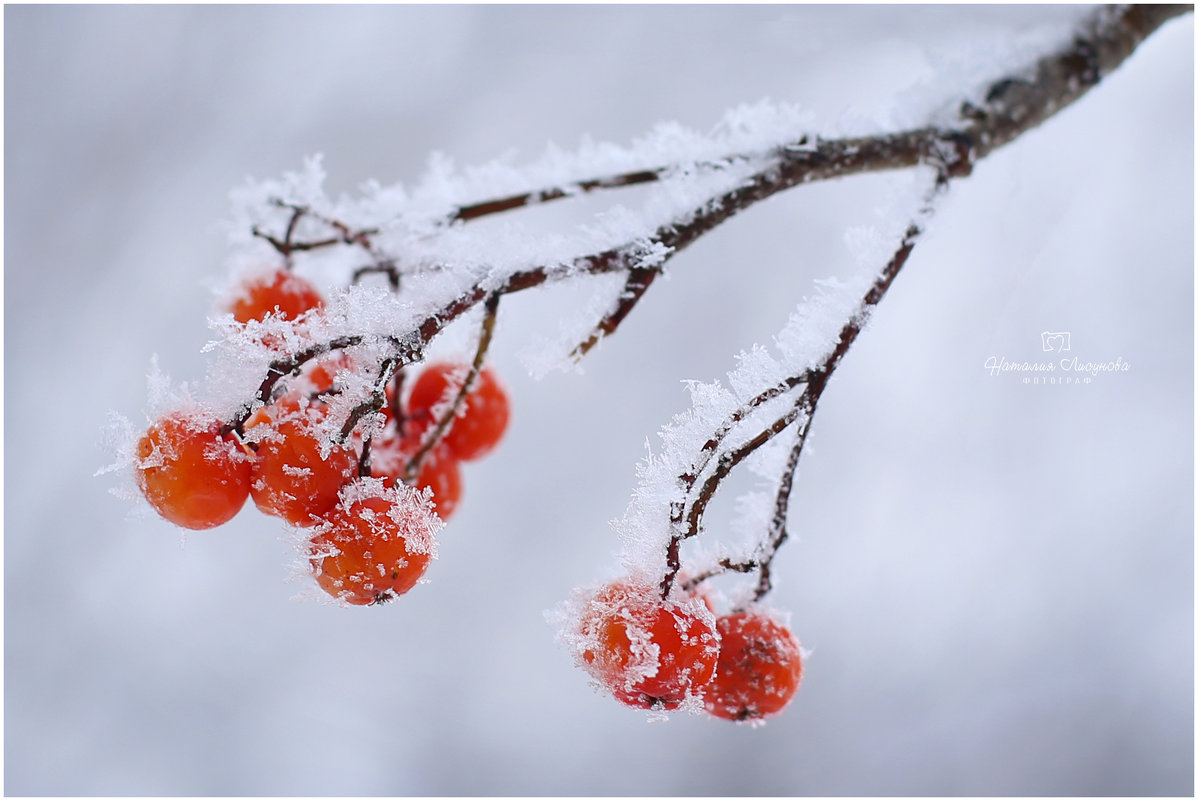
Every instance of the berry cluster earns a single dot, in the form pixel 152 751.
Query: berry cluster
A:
pixel 661 654
pixel 366 499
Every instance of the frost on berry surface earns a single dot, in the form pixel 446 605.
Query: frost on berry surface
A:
pixel 651 653
pixel 409 508
pixel 760 666
pixel 374 545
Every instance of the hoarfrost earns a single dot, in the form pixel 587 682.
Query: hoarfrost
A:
pixel 730 408
pixel 441 262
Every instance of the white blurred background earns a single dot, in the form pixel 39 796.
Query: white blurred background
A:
pixel 995 580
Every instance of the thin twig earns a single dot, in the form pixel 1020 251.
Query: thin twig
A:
pixel 435 434
pixel 724 466
pixel 635 286
pixel 777 534
pixel 476 210
pixel 686 521
pixel 372 405
pixel 779 531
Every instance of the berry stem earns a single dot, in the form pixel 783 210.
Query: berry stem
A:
pixel 685 525
pixel 405 352
pixel 378 398
pixel 396 401
pixel 778 532
pixel 434 435
pixel 346 235
pixel 724 465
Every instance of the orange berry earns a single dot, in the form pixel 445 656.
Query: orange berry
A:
pixel 281 293
pixel 442 474
pixel 648 652
pixel 325 369
pixel 290 479
pixel 375 548
pixel 289 406
pixel 759 670
pixel 480 426
pixel 191 474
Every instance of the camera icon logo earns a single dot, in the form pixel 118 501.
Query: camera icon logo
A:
pixel 1054 341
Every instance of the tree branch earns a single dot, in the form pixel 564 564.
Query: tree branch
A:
pixel 1012 106
pixel 686 523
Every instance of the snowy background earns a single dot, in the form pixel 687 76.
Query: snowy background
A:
pixel 995 580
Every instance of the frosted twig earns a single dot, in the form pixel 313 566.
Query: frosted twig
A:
pixel 286 246
pixel 684 526
pixel 378 397
pixel 711 446
pixel 724 465
pixel 386 267
pixel 635 286
pixel 778 525
pixel 481 209
pixel 404 352
pixel 778 532
pixel 1012 105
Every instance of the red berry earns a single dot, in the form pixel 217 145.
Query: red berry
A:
pixel 191 474
pixel 480 424
pixel 290 406
pixel 759 670
pixel 324 371
pixel 648 652
pixel 290 479
pixel 281 293
pixel 442 475
pixel 375 548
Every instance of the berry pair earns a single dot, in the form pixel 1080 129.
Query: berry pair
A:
pixel 655 653
pixel 198 476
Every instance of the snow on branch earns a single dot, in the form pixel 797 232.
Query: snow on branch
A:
pixel 406 246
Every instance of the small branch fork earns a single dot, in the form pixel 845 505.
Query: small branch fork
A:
pixel 1012 105
pixel 686 514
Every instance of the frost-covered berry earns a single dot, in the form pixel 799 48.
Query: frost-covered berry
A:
pixel 480 425
pixel 759 670
pixel 280 292
pixel 648 652
pixel 375 547
pixel 190 473
pixel 290 478
pixel 322 374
